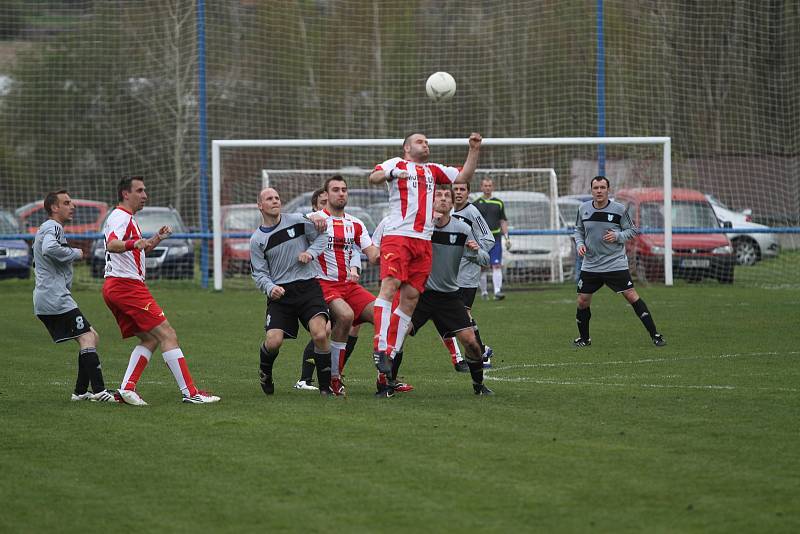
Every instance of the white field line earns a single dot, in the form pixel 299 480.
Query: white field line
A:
pixel 571 382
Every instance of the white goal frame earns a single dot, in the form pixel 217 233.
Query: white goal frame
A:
pixel 218 145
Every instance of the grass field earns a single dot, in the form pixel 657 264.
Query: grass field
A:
pixel 698 436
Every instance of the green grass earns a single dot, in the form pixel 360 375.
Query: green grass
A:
pixel 699 436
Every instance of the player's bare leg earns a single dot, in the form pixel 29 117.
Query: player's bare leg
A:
pixel 342 321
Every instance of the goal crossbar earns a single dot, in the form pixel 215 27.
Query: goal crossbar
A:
pixel 218 144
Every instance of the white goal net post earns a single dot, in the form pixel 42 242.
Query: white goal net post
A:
pixel 218 146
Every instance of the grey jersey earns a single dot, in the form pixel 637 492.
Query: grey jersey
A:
pixel 274 251
pixel 53 258
pixel 590 227
pixel 469 272
pixel 449 248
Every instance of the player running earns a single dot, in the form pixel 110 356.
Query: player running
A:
pixel 349 303
pixel 406 247
pixel 469 273
pixel 137 312
pixel 52 298
pixel 283 270
pixel 601 229
pixel 442 301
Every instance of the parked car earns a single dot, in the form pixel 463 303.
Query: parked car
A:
pixel 15 254
pixel 533 255
pixel 86 220
pixel 749 248
pixel 694 256
pixel 238 218
pixel 172 258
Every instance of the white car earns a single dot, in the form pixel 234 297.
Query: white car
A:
pixel 532 256
pixel 749 248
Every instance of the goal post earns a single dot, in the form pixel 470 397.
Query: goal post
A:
pixel 217 146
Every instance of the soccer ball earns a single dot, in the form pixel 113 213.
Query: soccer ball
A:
pixel 440 86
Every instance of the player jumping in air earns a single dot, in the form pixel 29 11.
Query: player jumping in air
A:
pixel 601 229
pixel 406 246
pixel 137 312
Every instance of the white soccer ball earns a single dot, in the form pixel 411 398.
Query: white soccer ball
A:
pixel 440 86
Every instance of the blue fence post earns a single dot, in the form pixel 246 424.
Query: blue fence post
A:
pixel 203 136
pixel 601 89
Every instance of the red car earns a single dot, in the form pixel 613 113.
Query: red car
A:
pixel 238 219
pixel 694 256
pixel 89 214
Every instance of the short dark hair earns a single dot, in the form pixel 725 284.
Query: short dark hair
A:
pixel 599 178
pixel 334 178
pixel 125 185
pixel 445 187
pixel 407 137
pixel 51 199
pixel 469 188
pixel 315 197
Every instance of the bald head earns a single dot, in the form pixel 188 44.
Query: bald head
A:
pixel 269 203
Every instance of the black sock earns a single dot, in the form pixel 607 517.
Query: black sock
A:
pixel 396 361
pixel 478 335
pixel 82 382
pixel 349 348
pixel 476 371
pixel 323 363
pixel 644 315
pixel 307 369
pixel 267 359
pixel 90 361
pixel 583 316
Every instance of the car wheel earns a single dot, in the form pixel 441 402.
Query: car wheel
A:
pixel 747 252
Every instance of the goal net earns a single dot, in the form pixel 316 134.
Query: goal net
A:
pixel 91 91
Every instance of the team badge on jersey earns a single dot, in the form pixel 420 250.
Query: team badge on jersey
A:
pixel 290 231
pixel 453 239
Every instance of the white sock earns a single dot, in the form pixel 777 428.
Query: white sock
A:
pixel 337 355
pixel 452 347
pixel 497 280
pixel 139 359
pixel 483 283
pixel 402 328
pixel 177 364
pixel 382 313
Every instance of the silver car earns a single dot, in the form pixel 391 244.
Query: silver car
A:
pixel 748 248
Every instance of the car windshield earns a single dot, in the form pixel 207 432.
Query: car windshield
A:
pixel 7 226
pixel 244 218
pixel 528 214
pixel 685 214
pixel 150 222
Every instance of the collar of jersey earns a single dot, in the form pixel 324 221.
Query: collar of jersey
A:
pixel 120 207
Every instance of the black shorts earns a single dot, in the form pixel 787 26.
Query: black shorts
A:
pixel 468 296
pixel 618 281
pixel 446 309
pixel 302 301
pixel 66 326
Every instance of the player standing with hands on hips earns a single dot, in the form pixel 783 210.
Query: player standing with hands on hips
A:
pixel 406 245
pixel 137 312
pixel 601 229
pixel 52 300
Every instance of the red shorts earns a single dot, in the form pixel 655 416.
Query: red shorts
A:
pixel 406 258
pixel 132 305
pixel 352 293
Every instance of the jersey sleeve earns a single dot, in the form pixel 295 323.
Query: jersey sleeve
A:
pixel 362 235
pixel 115 227
pixel 503 211
pixel 480 229
pixel 259 268
pixel 54 250
pixel 444 174
pixel 580 232
pixel 387 165
pixel 628 229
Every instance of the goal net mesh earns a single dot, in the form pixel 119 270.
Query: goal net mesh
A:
pixel 90 91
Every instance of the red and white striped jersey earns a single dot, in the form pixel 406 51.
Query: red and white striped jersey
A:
pixel 347 237
pixel 411 199
pixel 129 264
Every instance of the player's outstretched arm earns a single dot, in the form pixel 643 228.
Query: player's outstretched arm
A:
pixel 471 163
